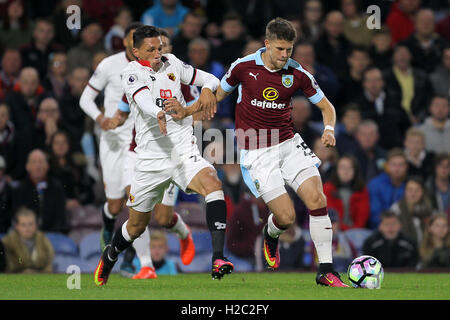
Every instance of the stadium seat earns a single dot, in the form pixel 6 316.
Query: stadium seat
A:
pixel 192 213
pixel 202 241
pixel 85 216
pixel 357 237
pixel 2 235
pixel 90 246
pixel 173 242
pixel 62 244
pixel 61 262
pixel 201 263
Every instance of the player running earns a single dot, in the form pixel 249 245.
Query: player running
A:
pixel 166 148
pixel 114 145
pixel 271 155
pixel 163 212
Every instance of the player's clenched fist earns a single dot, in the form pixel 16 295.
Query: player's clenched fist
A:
pixel 328 138
pixel 175 109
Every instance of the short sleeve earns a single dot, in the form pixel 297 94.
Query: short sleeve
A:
pixel 132 83
pixel 310 87
pixel 186 71
pixel 231 79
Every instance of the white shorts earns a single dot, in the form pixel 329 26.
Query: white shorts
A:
pixel 267 170
pixel 112 155
pixel 171 193
pixel 152 177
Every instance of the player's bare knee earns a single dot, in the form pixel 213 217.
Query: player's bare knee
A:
pixel 213 185
pixel 285 218
pixel 317 201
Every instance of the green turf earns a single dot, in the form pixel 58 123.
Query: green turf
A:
pixel 238 286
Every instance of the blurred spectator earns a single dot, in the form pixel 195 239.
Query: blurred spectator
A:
pixel 312 14
pixel 358 61
pixel 8 141
pixel 36 54
pixel 69 168
pixel 389 245
pixel 103 11
pixel 385 109
pixel 437 126
pixel 355 23
pixel 413 209
pixel 442 27
pixel 346 142
pixel 425 44
pixel 347 194
pixel 9 73
pixel 410 84
pixel 435 247
pixel 371 157
pixel 159 249
pixel 6 194
pixel 332 47
pixel 420 161
pixel 301 116
pixel 72 115
pixel 245 226
pixel 91 43
pixel 48 122
pixel 388 187
pixel 199 54
pixel 252 46
pixel 381 50
pixel 233 40
pixel 401 19
pixel 115 35
pixel 292 249
pixel 27 249
pixel 343 249
pixel 190 29
pixel 166 14
pixel 438 184
pixel 55 81
pixel 304 53
pixel 440 78
pixel 328 157
pixel 42 194
pixel 16 28
pixel 24 102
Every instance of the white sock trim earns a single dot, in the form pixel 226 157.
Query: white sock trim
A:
pixel 272 229
pixel 125 234
pixel 107 213
pixel 213 196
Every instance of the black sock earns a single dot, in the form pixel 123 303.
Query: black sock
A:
pixel 108 222
pixel 326 268
pixel 118 244
pixel 129 255
pixel 216 218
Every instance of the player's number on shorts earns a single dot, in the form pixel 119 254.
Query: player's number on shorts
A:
pixel 306 150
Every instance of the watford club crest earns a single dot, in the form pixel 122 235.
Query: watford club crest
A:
pixel 171 76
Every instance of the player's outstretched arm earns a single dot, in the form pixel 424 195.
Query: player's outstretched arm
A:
pixel 329 121
pixel 221 94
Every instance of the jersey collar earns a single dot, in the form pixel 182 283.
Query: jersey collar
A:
pixel 259 61
pixel 144 63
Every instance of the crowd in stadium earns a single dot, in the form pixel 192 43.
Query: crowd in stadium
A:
pixel 389 174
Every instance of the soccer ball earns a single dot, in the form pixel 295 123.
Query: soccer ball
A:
pixel 365 272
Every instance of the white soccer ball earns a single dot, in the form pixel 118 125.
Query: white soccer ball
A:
pixel 366 272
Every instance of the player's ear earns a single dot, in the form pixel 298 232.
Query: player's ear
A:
pixel 267 43
pixel 135 52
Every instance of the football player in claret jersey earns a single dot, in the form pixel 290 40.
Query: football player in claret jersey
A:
pixel 166 148
pixel 271 155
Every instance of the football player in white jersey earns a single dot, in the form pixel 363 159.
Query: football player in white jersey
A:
pixel 166 148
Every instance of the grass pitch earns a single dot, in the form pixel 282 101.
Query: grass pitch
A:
pixel 237 286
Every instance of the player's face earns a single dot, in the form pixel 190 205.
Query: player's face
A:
pixel 166 46
pixel 151 51
pixel 279 52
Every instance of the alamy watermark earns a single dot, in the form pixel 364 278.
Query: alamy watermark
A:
pixel 74 19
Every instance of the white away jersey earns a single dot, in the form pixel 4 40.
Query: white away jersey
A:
pixel 108 76
pixel 163 84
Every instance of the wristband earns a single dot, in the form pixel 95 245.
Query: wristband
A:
pixel 328 127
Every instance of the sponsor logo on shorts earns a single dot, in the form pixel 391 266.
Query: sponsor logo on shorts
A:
pixel 257 184
pixel 131 198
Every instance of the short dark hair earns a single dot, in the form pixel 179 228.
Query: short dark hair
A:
pixel 132 26
pixel 144 32
pixel 388 214
pixel 280 29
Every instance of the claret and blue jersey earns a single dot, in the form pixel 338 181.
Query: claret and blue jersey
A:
pixel 265 95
